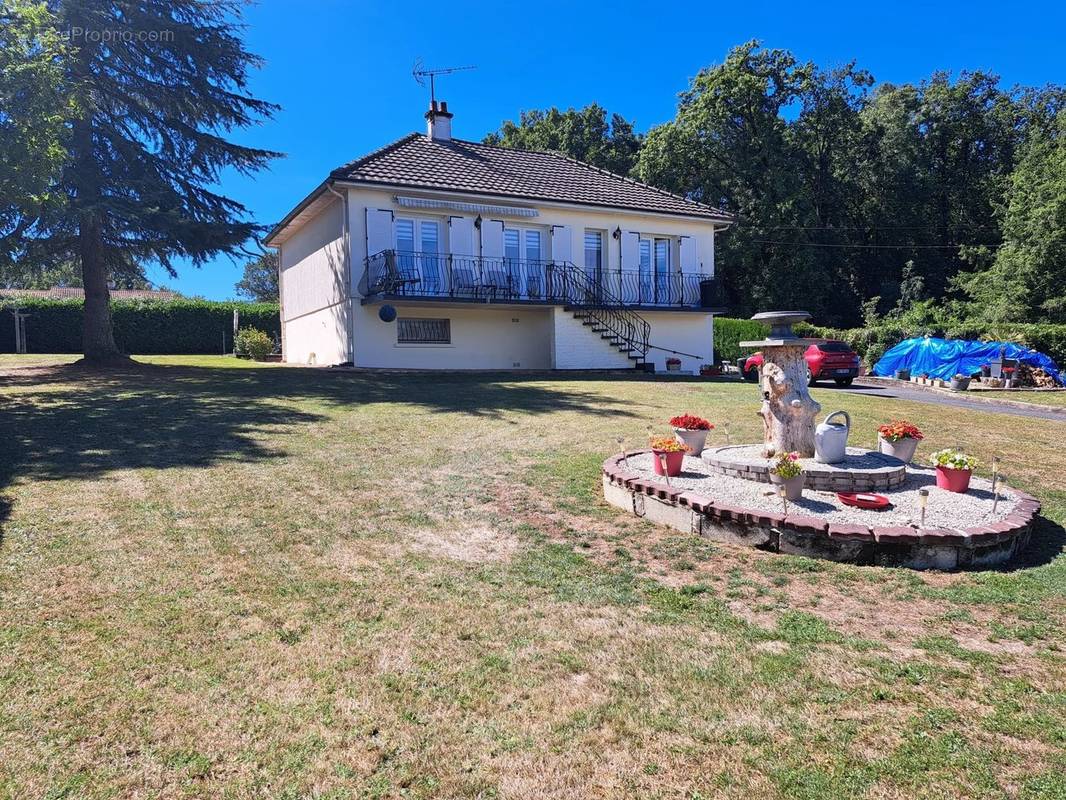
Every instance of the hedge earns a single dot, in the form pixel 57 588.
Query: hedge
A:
pixel 872 343
pixel 728 333
pixel 149 327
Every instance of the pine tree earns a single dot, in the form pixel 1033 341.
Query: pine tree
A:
pixel 159 84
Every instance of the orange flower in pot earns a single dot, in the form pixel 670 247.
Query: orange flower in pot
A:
pixel 668 455
pixel 899 439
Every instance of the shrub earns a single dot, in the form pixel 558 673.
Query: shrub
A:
pixel 252 343
pixel 148 327
pixel 729 333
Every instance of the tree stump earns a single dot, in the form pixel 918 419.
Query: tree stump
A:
pixel 788 411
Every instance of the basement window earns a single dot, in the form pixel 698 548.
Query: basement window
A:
pixel 423 331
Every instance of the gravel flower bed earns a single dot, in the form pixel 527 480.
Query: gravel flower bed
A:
pixel 945 509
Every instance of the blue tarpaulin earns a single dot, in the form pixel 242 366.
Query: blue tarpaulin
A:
pixel 944 358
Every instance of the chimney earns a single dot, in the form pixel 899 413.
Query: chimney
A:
pixel 439 122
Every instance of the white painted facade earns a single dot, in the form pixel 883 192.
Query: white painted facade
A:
pixel 327 320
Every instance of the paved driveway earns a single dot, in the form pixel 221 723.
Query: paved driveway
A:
pixel 905 392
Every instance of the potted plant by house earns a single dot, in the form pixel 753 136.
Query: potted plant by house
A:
pixel 673 364
pixel 692 431
pixel 960 383
pixel 710 370
pixel 953 469
pixel 787 472
pixel 899 439
pixel 668 453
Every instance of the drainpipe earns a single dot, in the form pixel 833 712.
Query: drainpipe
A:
pixel 349 311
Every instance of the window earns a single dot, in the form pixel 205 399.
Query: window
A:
pixel 647 290
pixel 423 331
pixel 593 251
pixel 405 235
pixel 522 244
pixel 418 246
pixel 657 282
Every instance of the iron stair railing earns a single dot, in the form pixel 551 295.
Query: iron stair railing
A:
pixel 625 328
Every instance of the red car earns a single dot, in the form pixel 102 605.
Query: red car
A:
pixel 830 359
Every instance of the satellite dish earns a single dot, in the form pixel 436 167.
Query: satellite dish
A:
pixel 387 313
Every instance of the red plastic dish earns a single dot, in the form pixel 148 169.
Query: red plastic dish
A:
pixel 864 500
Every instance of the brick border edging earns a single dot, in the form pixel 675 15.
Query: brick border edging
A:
pixel 943 548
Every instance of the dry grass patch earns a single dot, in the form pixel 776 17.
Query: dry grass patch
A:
pixel 212 584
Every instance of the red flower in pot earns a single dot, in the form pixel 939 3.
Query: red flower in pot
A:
pixel 692 431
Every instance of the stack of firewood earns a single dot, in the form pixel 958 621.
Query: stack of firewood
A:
pixel 1033 377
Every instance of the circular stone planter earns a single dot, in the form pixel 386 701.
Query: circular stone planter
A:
pixel 861 470
pixel 804 533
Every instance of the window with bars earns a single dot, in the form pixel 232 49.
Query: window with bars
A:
pixel 423 331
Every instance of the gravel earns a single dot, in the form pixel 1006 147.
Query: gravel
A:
pixel 945 509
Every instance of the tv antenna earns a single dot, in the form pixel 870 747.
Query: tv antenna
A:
pixel 420 74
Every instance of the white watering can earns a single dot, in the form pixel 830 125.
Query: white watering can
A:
pixel 831 439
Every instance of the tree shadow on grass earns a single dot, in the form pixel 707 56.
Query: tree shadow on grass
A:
pixel 76 422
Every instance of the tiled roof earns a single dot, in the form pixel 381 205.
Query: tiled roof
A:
pixel 72 293
pixel 417 161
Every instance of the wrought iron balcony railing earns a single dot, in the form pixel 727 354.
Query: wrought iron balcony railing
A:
pixel 432 275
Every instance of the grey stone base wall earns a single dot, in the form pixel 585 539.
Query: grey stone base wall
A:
pixel 890 546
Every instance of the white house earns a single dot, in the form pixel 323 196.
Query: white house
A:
pixel 492 258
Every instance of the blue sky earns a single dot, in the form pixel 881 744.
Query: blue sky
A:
pixel 342 71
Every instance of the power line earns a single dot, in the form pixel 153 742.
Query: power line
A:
pixel 870 246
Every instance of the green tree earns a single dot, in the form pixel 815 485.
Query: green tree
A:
pixel 260 281
pixel 584 134
pixel 33 110
pixel 937 165
pixel 23 275
pixel 161 84
pixel 1027 280
pixel 730 145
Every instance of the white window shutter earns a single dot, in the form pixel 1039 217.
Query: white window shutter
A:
pixel 461 236
pixel 378 231
pixel 630 250
pixel 562 243
pixel 689 263
pixel 492 238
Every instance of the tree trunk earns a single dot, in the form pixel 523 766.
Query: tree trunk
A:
pixel 98 341
pixel 788 411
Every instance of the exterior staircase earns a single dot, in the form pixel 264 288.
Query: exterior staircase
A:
pixel 626 347
pixel 598 309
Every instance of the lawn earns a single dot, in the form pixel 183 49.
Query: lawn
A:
pixel 222 580
pixel 1024 396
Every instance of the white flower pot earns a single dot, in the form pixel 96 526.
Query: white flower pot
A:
pixel 696 440
pixel 903 449
pixel 793 486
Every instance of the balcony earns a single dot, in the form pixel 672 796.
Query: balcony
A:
pixel 404 274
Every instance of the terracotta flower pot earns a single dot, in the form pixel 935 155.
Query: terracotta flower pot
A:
pixel 793 486
pixel 696 440
pixel 953 480
pixel 903 449
pixel 674 461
